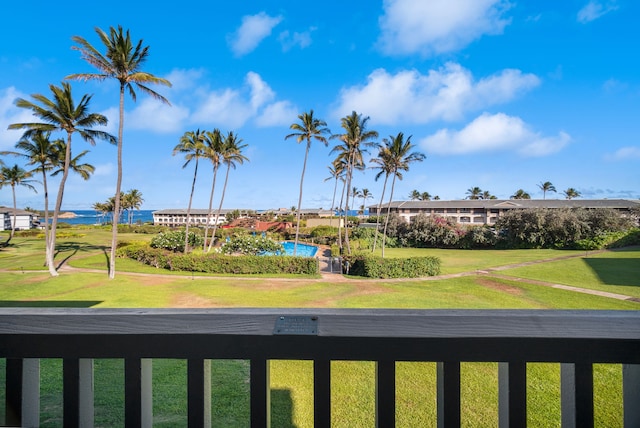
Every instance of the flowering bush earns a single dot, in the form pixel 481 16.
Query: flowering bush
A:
pixel 174 240
pixel 251 245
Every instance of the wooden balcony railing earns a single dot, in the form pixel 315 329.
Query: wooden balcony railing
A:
pixel 576 339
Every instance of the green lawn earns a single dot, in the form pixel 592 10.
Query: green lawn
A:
pixel 352 382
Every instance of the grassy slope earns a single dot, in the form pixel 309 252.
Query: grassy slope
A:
pixel 353 387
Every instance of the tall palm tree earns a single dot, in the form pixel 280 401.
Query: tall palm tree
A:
pixel 520 194
pixel 309 128
pixel 42 152
pixel 385 166
pixel 335 173
pixel 355 193
pixel 212 152
pixel 365 194
pixel 354 142
pixel 15 176
pixel 192 146
pixel 123 62
pixel 571 193
pixel 134 201
pixel 474 193
pixel 231 153
pixel 62 114
pixel 546 187
pixel 399 157
pixel 414 195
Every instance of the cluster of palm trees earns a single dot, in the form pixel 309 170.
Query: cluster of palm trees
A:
pixel 477 193
pixel 395 154
pixel 122 60
pixel 416 195
pixel 129 201
pixel 547 186
pixel 219 149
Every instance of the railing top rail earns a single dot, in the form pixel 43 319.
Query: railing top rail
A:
pixel 339 323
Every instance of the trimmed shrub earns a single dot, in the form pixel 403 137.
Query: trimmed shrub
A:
pixel 377 267
pixel 253 245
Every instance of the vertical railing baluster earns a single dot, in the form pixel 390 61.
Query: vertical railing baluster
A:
pixel 322 393
pixel 31 392
pixel 13 392
pixel 77 396
pixel 385 393
pixel 199 392
pixel 448 380
pixel 576 388
pixel 138 393
pixel 512 394
pixel 260 393
pixel 631 394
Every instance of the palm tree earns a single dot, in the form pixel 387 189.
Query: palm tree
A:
pixel 546 187
pixel 355 193
pixel 123 62
pixel 193 147
pixel 134 201
pixel 15 176
pixel 399 157
pixel 365 194
pixel 212 151
pixel 571 193
pixel 62 114
pixel 474 193
pixel 336 171
pixel 425 196
pixel 231 152
pixel 355 140
pixel 309 128
pixel 414 195
pixel 83 169
pixel 520 194
pixel 43 153
pixel 385 166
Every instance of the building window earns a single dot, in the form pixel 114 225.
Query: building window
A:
pixel 439 210
pixel 465 219
pixel 478 219
pixel 465 210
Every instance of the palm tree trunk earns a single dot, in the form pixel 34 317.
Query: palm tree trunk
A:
pixel 186 230
pixel 46 216
pixel 206 226
pixel 375 236
pixel 116 203
pixel 333 201
pixel 304 167
pixel 15 213
pixel 346 212
pixel 224 190
pixel 386 220
pixel 56 211
pixel 344 184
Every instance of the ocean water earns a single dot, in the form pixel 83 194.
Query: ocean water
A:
pixel 93 217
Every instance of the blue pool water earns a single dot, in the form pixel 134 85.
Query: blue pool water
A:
pixel 303 250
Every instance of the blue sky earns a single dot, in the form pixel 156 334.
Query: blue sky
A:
pixel 497 94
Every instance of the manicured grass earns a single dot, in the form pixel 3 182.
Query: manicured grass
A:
pixel 352 382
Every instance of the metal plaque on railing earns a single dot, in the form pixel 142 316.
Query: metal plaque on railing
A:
pixel 296 325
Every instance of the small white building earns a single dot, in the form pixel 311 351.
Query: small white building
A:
pixel 24 219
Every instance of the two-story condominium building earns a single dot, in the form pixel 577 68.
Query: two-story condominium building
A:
pixel 24 219
pixel 178 217
pixel 488 211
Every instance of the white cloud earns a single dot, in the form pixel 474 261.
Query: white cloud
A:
pixel 278 113
pixel 252 31
pixel 183 79
pixel 232 108
pixel 438 26
pixel 443 94
pixel 289 41
pixel 9 114
pixel 492 133
pixel 150 114
pixel 624 153
pixel 595 9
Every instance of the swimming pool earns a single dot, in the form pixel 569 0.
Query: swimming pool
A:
pixel 303 250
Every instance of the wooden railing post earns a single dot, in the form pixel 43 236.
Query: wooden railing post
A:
pixel 138 397
pixel 260 393
pixel 385 394
pixel 77 392
pixel 322 393
pixel 512 394
pixel 631 394
pixel 576 390
pixel 448 380
pixel 199 393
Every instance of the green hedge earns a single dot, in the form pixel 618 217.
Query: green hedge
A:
pixel 220 263
pixel 377 267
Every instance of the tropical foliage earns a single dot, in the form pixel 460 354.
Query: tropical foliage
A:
pixel 174 240
pixel 249 244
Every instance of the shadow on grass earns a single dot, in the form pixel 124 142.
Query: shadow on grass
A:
pixel 282 408
pixel 615 271
pixel 48 303
pixel 74 248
